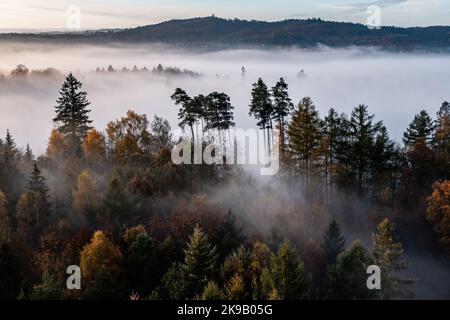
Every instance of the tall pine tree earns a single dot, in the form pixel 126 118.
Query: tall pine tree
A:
pixel 72 115
pixel 420 129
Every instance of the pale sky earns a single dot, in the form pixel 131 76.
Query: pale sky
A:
pixel 96 14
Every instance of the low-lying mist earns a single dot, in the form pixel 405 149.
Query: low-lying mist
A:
pixel 394 86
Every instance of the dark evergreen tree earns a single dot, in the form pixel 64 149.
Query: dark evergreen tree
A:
pixel 346 280
pixel 28 156
pixel 143 266
pixel 72 115
pixel 334 242
pixel 286 276
pixel 229 236
pixel 219 113
pixel 421 128
pixel 282 104
pixel 36 182
pixel 362 131
pixel 261 107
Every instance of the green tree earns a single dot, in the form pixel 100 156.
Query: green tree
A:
pixel 51 288
pixel 387 254
pixel 282 107
pixel 346 280
pixel 334 242
pixel 142 265
pixel 36 182
pixel 286 275
pixel 219 113
pixel 229 236
pixel 72 115
pixel 362 131
pixel 261 107
pixel 421 128
pixel 200 261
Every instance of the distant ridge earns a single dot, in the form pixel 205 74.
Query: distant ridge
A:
pixel 233 32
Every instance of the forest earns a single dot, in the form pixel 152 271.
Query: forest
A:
pixel 111 201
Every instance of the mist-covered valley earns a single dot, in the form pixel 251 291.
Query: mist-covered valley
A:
pixel 125 189
pixel 395 86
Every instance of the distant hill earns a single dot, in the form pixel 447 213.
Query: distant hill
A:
pixel 223 32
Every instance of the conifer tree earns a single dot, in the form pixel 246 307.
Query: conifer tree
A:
pixel 187 113
pixel 387 254
pixel 362 131
pixel 282 107
pixel 421 128
pixel 261 107
pixel 200 261
pixel 346 280
pixel 219 113
pixel 304 136
pixel 36 182
pixel 28 156
pixel 334 242
pixel 229 236
pixel 72 115
pixel 287 275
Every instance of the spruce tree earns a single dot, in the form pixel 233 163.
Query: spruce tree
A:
pixel 362 133
pixel 229 236
pixel 72 115
pixel 36 182
pixel 420 129
pixel 287 276
pixel 28 156
pixel 334 242
pixel 200 261
pixel 261 107
pixel 282 103
pixel 346 280
pixel 387 254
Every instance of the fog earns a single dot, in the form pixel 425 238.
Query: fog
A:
pixel 395 86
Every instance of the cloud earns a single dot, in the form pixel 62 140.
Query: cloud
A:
pixel 362 6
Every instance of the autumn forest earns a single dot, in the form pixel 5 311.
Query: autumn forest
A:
pixel 111 201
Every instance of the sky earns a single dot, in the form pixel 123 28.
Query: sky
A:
pixel 97 14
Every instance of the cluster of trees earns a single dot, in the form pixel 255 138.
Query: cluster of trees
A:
pixel 141 227
pixel 159 69
pixel 22 71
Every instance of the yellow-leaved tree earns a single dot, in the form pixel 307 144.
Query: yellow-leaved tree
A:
pixel 438 212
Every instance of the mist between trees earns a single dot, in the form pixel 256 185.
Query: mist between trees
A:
pixel 346 196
